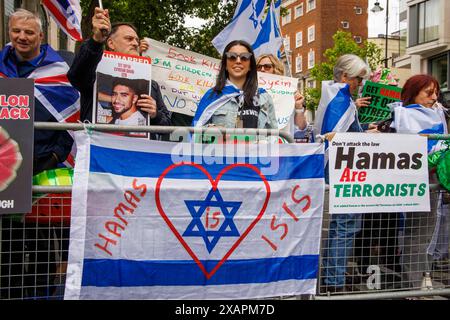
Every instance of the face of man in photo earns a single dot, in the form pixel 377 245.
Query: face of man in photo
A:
pixel 124 100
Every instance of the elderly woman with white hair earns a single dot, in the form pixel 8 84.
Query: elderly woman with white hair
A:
pixel 338 112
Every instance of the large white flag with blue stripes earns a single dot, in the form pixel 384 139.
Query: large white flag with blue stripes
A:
pixel 245 25
pixel 159 220
pixel 269 39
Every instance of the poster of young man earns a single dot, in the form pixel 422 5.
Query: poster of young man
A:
pixel 378 173
pixel 121 80
pixel 16 145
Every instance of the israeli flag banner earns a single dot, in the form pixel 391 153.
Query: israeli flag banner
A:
pixel 245 25
pixel 416 118
pixel 336 111
pixel 162 220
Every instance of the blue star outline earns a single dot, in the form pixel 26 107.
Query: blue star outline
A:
pixel 198 207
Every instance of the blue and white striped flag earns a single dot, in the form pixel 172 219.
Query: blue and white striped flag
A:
pixel 269 40
pixel 245 25
pixel 418 119
pixel 336 111
pixel 150 223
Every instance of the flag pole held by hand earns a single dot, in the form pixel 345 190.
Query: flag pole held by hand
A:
pixel 104 32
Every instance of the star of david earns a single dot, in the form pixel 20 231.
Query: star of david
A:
pixel 198 207
pixel 254 19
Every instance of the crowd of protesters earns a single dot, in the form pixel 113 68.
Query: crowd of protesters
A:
pixel 234 102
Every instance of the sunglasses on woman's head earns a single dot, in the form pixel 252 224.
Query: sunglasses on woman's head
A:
pixel 233 56
pixel 266 66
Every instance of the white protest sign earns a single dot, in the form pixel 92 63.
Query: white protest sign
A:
pixel 282 89
pixel 378 173
pixel 184 77
pixel 120 80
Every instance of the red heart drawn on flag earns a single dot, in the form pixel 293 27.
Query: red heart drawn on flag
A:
pixel 214 184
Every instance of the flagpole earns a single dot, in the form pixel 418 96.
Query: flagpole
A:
pixel 284 48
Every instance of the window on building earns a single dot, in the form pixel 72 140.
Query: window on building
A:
pixel 345 24
pixel 299 11
pixel 311 59
pixel 439 70
pixel 358 10
pixel 287 18
pixel 287 43
pixel 299 39
pixel 298 64
pixel 310 5
pixel 311 84
pixel 311 33
pixel 424 22
pixel 358 39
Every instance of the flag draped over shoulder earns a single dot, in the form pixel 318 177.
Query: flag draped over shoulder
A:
pixel 51 85
pixel 153 222
pixel 336 111
pixel 67 14
pixel 418 119
pixel 269 39
pixel 212 101
pixel 245 25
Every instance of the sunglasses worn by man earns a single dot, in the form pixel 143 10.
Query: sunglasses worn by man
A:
pixel 233 56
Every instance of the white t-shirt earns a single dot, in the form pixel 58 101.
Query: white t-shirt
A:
pixel 136 119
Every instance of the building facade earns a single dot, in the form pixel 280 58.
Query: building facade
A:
pixel 426 24
pixel 308 31
pixel 53 35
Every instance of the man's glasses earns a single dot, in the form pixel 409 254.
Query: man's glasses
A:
pixel 360 79
pixel 267 66
pixel 233 56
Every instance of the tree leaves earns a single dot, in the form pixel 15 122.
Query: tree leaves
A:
pixel 164 20
pixel 343 44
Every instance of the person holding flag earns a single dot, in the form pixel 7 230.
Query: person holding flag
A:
pixel 235 101
pixel 121 38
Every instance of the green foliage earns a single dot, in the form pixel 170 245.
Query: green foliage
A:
pixel 164 20
pixel 343 44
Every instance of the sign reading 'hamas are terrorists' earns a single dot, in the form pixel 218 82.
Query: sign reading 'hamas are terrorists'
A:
pixel 382 95
pixel 378 173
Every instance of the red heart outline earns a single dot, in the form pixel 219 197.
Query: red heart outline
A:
pixel 214 184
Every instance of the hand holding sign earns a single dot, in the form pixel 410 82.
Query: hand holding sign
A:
pixel 147 104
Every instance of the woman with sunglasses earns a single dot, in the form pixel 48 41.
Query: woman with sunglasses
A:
pixel 236 101
pixel 268 63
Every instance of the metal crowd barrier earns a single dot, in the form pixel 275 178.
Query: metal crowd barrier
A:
pixel 386 259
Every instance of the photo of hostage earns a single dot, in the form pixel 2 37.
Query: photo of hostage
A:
pixel 126 104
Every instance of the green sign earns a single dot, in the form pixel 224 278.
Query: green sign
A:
pixel 381 95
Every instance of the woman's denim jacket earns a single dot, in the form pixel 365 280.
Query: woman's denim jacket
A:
pixel 226 115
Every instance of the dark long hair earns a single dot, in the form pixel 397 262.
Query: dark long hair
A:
pixel 414 85
pixel 251 82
